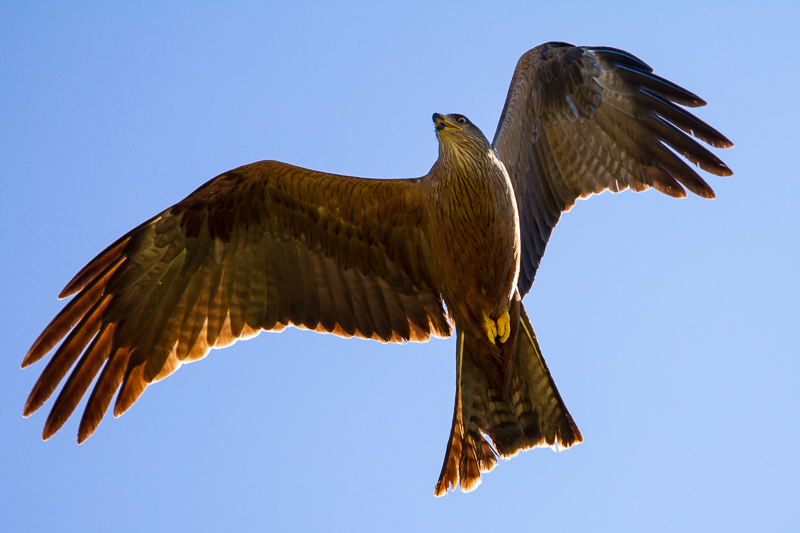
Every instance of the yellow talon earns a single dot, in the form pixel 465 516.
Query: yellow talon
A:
pixel 504 326
pixel 501 328
pixel 491 328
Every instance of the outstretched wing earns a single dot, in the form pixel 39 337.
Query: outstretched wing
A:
pixel 261 247
pixel 580 120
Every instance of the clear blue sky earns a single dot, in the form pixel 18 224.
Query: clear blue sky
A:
pixel 670 327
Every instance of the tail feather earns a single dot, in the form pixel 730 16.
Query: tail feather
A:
pixel 541 411
pixel 529 412
pixel 468 452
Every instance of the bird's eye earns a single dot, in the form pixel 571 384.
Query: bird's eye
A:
pixel 461 120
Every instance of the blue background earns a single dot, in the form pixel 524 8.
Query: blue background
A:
pixel 670 327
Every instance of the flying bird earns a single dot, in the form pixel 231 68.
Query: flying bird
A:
pixel 269 245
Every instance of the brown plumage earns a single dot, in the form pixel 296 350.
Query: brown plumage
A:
pixel 269 245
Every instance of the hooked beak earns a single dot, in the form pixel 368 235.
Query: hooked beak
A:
pixel 442 123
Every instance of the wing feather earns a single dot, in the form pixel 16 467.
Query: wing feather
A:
pixel 238 294
pixel 71 314
pixel 107 385
pixel 65 356
pixel 272 261
pixel 364 323
pixel 258 248
pixel 581 120
pixel 309 286
pixel 133 386
pixel 85 371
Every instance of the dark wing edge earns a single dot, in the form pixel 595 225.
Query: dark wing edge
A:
pixel 581 120
pixel 261 247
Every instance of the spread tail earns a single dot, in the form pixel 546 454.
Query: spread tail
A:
pixel 527 412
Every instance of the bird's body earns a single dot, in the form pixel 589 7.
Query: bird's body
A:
pixel 269 245
pixel 473 229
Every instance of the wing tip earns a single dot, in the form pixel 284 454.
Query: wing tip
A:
pixel 53 424
pixel 95 267
pixel 133 386
pixel 28 360
pixel 27 410
pixel 626 57
pixel 725 171
pixel 85 432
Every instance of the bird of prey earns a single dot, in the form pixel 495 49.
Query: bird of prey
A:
pixel 270 245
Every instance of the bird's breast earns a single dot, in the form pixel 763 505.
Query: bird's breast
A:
pixel 475 237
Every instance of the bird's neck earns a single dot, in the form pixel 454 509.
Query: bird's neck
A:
pixel 471 166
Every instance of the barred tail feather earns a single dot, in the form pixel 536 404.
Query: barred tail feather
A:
pixel 529 412
pixel 468 452
pixel 543 416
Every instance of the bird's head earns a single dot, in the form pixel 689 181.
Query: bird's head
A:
pixel 458 137
pixel 453 124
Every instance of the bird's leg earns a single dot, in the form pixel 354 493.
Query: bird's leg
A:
pixel 500 328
